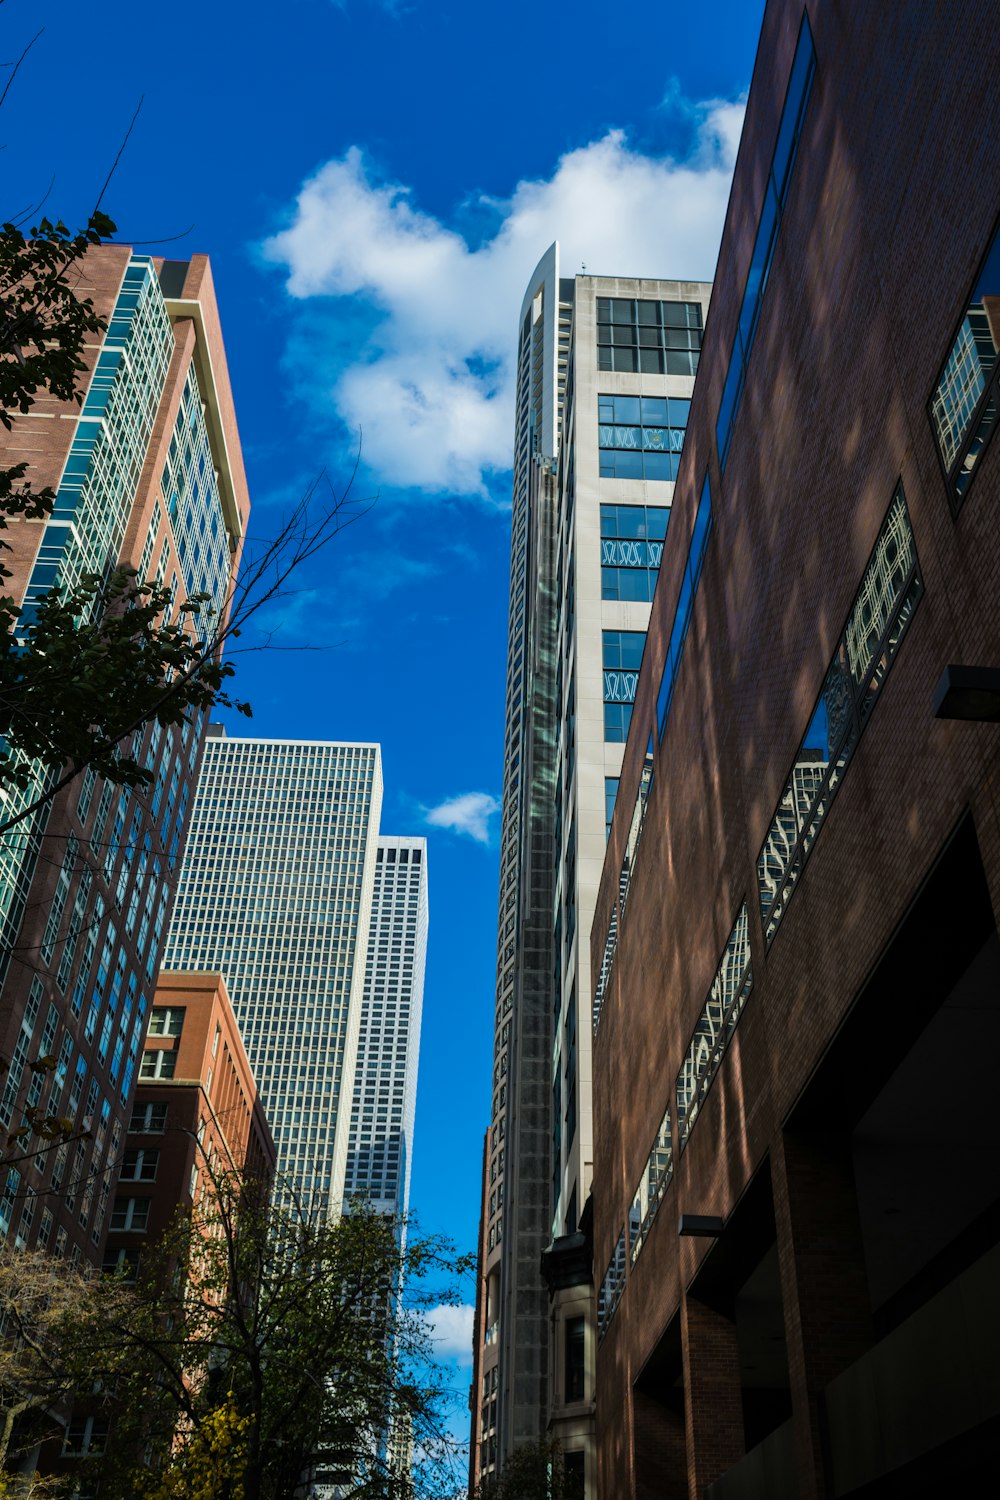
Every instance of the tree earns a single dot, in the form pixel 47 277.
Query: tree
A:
pixel 272 1346
pixel 536 1471
pixel 85 670
pixel 53 1348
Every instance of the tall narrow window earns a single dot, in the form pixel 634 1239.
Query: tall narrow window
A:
pixel 574 1364
pixel 622 658
pixel 966 402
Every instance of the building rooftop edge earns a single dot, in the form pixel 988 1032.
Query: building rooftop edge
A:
pixel 262 739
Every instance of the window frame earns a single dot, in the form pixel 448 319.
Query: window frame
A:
pixel 991 390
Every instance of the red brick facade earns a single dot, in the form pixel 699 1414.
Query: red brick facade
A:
pixel 203 1122
pixel 81 942
pixel 808 1142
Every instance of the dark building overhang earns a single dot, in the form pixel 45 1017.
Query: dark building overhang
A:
pixel 566 1262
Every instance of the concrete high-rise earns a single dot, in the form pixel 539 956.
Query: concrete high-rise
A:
pixel 605 374
pixel 380 1144
pixel 147 473
pixel 276 895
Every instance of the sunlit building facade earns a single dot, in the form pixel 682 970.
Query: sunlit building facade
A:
pixel 380 1144
pixel 276 895
pixel 606 369
pixel 147 473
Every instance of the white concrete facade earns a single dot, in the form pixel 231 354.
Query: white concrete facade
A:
pixel 275 893
pixel 556 693
pixel 380 1144
pixel 582 785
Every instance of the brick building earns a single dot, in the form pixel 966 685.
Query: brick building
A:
pixel 796 1200
pixel 148 472
pixel 196 1115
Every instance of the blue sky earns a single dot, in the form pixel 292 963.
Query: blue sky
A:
pixel 374 184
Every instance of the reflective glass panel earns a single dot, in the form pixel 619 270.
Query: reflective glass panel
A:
pixel 966 401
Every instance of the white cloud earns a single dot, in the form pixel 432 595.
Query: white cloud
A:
pixel 432 386
pixel 469 813
pixel 450 1329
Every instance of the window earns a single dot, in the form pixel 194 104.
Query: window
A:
pixel 130 1213
pixel 730 991
pixel 610 794
pixel 86 1435
pixel 622 658
pixel 631 550
pixel 653 1185
pixel 574 1361
pixel 570 1052
pixel 611 1288
pixel 123 1262
pixel 869 644
pixel 166 1021
pixel 574 1468
pixel 657 338
pixel 685 606
pixel 641 437
pixel 148 1119
pixel 158 1064
pixel 966 400
pixel 775 193
pixel 139 1164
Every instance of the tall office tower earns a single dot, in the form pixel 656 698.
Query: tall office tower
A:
pixel 380 1144
pixel 148 472
pixel 276 895
pixel 606 370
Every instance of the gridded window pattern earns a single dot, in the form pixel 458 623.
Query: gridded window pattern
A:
pixel 965 405
pixel 631 550
pixel 191 496
pixel 641 437
pixel 87 526
pixel 621 659
pixel 59 898
pixel 274 893
pixel 384 1100
pixel 654 338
